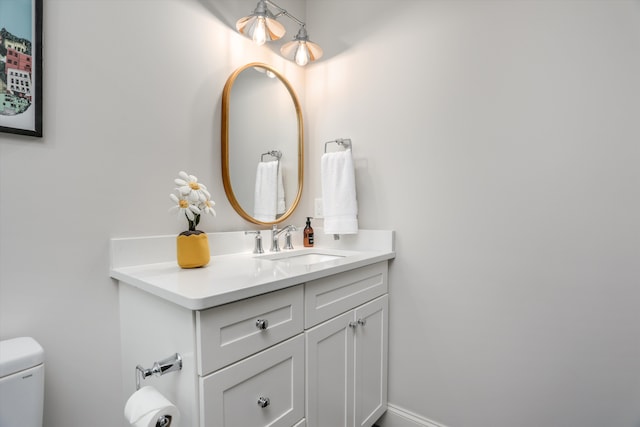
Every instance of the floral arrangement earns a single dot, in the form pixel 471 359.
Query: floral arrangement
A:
pixel 191 199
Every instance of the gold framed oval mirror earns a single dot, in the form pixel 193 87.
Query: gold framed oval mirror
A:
pixel 262 144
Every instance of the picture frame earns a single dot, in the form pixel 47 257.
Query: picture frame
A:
pixel 21 67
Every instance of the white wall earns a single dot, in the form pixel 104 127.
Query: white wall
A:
pixel 501 140
pixel 504 151
pixel 131 96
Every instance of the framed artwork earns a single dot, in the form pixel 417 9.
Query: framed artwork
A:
pixel 21 67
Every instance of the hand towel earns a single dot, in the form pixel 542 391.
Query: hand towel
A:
pixel 339 193
pixel 269 192
pixel 282 206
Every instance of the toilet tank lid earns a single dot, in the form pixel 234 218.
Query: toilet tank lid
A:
pixel 18 354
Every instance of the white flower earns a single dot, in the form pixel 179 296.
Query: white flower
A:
pixel 207 207
pixel 191 188
pixel 192 199
pixel 184 207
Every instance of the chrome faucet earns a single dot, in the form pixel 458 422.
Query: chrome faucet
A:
pixel 275 235
pixel 257 249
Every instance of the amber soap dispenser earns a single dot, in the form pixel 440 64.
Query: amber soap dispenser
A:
pixel 308 234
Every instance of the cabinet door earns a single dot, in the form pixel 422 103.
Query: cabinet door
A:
pixel 371 361
pixel 329 356
pixel 266 389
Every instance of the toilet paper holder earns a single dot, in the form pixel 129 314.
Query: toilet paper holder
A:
pixel 170 364
pixel 164 421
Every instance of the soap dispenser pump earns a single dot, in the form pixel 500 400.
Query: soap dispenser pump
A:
pixel 308 234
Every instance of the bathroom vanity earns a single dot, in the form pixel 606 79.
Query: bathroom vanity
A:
pixel 294 338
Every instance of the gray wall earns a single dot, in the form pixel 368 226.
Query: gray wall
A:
pixel 132 92
pixel 501 139
pixel 504 151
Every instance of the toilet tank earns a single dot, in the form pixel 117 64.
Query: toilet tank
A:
pixel 21 382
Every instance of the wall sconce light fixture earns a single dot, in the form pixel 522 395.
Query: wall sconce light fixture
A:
pixel 262 26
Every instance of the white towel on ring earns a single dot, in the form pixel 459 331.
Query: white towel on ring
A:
pixel 281 205
pixel 339 200
pixel 269 192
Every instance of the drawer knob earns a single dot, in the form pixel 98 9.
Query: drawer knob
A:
pixel 263 402
pixel 262 324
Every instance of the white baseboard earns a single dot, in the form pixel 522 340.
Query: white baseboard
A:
pixel 400 417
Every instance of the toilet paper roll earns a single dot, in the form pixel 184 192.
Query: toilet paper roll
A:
pixel 146 405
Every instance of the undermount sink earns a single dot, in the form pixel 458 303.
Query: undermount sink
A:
pixel 307 258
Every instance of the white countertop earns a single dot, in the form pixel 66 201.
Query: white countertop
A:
pixel 148 263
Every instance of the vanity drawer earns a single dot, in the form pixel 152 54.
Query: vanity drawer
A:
pixel 233 331
pixel 266 389
pixel 333 295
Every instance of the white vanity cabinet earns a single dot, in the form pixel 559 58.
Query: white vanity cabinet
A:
pixel 346 355
pixel 266 389
pixel 307 348
pixel 243 362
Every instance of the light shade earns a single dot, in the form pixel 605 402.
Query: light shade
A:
pixel 261 25
pixel 300 49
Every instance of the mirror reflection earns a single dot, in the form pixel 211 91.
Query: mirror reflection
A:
pixel 262 147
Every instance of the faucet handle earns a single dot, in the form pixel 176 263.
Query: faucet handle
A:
pixel 287 236
pixel 287 240
pixel 257 249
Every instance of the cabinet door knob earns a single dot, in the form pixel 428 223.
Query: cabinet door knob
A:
pixel 262 324
pixel 362 322
pixel 353 325
pixel 263 402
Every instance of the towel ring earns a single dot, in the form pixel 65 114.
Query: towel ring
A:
pixel 342 142
pixel 273 153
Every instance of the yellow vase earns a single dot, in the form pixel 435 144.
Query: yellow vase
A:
pixel 193 249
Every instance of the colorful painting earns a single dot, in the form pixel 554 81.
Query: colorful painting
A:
pixel 20 67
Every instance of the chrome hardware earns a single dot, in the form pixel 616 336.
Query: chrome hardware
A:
pixel 359 322
pixel 263 402
pixel 257 249
pixel 275 235
pixel 342 142
pixel 170 364
pixel 262 324
pixel 287 241
pixel 273 153
pixel 164 421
